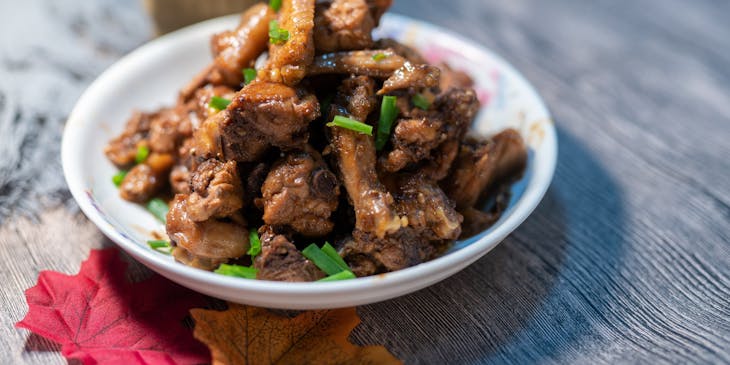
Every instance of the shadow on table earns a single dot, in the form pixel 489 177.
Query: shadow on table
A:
pixel 519 303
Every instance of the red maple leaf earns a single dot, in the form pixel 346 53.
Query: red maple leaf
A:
pixel 100 317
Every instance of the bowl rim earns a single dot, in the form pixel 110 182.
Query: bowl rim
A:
pixel 461 258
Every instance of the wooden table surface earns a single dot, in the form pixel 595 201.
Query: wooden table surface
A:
pixel 626 260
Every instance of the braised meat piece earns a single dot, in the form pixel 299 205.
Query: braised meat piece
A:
pixel 236 49
pixel 213 239
pixel 343 25
pixel 431 138
pixel 451 78
pixel 401 49
pixel 281 261
pixel 429 211
pixel 180 174
pixel 122 149
pixel 411 76
pixel 482 162
pixel 301 192
pixel 261 115
pixel 373 63
pixel 368 254
pixel 217 191
pixel 413 140
pixel 374 205
pixel 147 179
pixel 233 51
pixel 288 60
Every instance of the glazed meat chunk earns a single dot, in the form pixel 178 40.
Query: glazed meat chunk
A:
pixel 205 244
pixel 281 261
pixel 147 179
pixel 288 60
pixel 368 254
pixel 428 209
pixel 261 115
pixel 373 63
pixel 301 192
pixel 374 205
pixel 482 162
pixel 217 191
pixel 122 150
pixel 433 136
pixel 343 25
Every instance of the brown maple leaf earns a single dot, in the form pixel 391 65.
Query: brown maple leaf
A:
pixel 250 335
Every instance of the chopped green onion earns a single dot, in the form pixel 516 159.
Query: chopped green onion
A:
pixel 351 124
pixel 218 103
pixel 321 260
pixel 276 34
pixel 237 271
pixel 255 244
pixel 249 74
pixel 342 275
pixel 142 153
pixel 420 101
pixel 119 177
pixel 388 113
pixel 160 245
pixel 332 253
pixel 275 5
pixel 379 56
pixel 158 208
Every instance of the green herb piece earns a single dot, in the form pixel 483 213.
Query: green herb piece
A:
pixel 342 275
pixel 420 101
pixel 321 260
pixel 158 208
pixel 237 271
pixel 160 245
pixel 255 244
pixel 276 34
pixel 119 177
pixel 218 103
pixel 332 253
pixel 388 113
pixel 249 74
pixel 275 5
pixel 142 153
pixel 379 57
pixel 351 124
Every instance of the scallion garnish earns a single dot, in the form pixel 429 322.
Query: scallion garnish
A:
pixel 342 275
pixel 321 260
pixel 158 208
pixel 218 103
pixel 276 34
pixel 249 74
pixel 388 113
pixel 275 5
pixel 142 153
pixel 420 101
pixel 332 253
pixel 379 57
pixel 237 271
pixel 351 124
pixel 160 245
pixel 119 177
pixel 254 244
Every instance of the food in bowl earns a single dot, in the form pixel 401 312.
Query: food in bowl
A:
pixel 304 130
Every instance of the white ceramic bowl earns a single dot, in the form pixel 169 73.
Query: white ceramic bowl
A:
pixel 151 76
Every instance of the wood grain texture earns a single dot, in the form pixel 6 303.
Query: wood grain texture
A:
pixel 627 260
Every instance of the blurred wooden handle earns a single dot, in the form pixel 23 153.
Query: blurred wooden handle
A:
pixel 169 15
